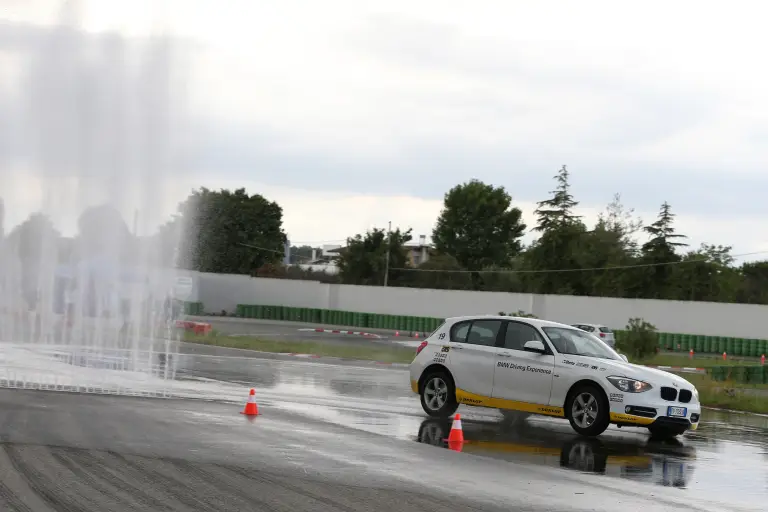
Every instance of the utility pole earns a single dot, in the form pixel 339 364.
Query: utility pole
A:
pixel 389 244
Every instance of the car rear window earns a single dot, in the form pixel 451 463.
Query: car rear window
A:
pixel 605 329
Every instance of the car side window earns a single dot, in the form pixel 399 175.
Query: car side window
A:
pixel 518 334
pixel 459 332
pixel 484 332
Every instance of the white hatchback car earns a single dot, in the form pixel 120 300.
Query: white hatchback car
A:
pixel 547 368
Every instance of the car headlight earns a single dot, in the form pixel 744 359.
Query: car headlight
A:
pixel 628 385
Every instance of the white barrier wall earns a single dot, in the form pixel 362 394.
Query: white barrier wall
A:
pixel 224 291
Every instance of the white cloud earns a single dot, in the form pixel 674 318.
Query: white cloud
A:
pixel 353 113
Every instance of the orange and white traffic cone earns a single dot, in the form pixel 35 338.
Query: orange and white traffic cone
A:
pixel 251 409
pixel 456 436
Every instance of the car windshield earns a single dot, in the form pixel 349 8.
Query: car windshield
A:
pixel 578 343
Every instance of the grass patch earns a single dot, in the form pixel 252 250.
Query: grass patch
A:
pixel 730 395
pixel 374 352
pixel 702 361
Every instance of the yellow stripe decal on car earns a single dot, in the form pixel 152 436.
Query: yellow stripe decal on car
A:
pixel 464 397
pixel 629 418
pixel 415 386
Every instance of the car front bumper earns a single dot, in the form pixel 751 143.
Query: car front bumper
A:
pixel 650 410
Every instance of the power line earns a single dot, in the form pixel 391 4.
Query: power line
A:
pixel 562 270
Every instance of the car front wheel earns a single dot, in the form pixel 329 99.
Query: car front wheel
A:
pixel 438 395
pixel 587 410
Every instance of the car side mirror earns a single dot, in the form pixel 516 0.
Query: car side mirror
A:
pixel 534 346
pixel 624 358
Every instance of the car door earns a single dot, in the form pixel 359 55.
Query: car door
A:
pixel 519 375
pixel 472 355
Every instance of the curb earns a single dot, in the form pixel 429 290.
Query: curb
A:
pixel 336 331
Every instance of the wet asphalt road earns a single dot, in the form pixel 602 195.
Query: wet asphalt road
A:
pixel 348 438
pixel 725 460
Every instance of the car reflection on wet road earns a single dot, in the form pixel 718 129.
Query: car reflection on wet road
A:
pixel 664 462
pixel 724 460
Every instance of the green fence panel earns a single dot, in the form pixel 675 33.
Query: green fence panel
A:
pixel 754 348
pixel 762 347
pixel 718 373
pixel 721 344
pixel 739 374
pixel 738 347
pixel 699 344
pixel 757 375
pixel 685 342
pixel 663 340
pixel 730 346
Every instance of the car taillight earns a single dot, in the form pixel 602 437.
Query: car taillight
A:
pixel 421 347
pixel 602 335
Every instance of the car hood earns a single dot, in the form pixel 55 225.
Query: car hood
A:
pixel 635 371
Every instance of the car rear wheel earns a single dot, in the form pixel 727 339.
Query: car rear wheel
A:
pixel 587 410
pixel 438 395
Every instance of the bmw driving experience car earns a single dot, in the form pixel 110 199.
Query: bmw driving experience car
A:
pixel 539 367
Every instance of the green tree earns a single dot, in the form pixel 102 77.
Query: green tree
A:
pixel 561 244
pixel 753 288
pixel 611 244
pixel 230 232
pixel 33 240
pixel 479 226
pixel 707 274
pixel 440 271
pixel 102 230
pixel 660 251
pixel 364 260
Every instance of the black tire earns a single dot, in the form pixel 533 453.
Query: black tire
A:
pixel 441 381
pixel 663 433
pixel 592 396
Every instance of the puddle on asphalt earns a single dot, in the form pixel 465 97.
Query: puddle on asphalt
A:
pixel 707 463
pixel 725 459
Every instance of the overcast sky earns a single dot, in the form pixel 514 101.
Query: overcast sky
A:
pixel 354 113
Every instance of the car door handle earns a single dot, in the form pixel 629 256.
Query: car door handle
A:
pixel 457 347
pixel 503 354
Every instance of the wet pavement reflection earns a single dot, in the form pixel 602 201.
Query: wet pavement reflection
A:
pixel 727 456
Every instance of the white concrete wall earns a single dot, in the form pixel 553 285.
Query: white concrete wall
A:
pixel 223 291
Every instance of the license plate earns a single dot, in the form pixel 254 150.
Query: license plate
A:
pixel 677 412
